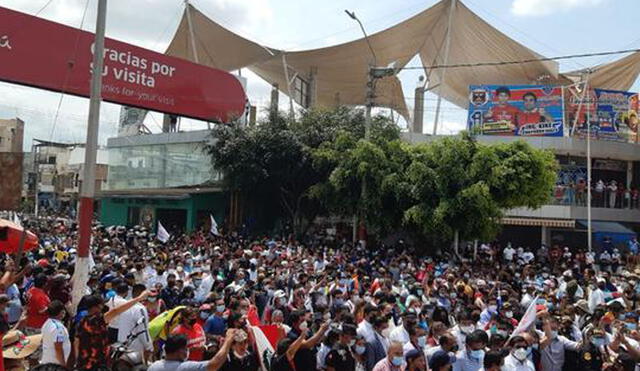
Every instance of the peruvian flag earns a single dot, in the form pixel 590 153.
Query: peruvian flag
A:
pixel 267 338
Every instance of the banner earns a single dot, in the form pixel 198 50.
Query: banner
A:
pixel 613 115
pixel 48 55
pixel 527 110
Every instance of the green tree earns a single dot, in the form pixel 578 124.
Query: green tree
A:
pixel 272 164
pixel 462 187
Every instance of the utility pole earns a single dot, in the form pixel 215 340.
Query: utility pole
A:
pixel 87 193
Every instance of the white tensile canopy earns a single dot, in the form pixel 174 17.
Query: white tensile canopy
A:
pixel 338 74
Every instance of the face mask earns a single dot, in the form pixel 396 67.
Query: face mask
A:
pixel 152 299
pixel 501 333
pixel 534 346
pixel 360 349
pixel 303 326
pixel 466 275
pixel 424 325
pixel 477 354
pixel 419 292
pixel 508 314
pixel 397 361
pixel 520 354
pixel 598 342
pixel 467 329
pixel 454 295
pixel 204 315
pixel 631 326
pixel 422 341
pixel 352 343
pixel 554 334
pixel 196 283
pixel 220 308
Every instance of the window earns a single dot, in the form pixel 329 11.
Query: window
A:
pixel 52 160
pixel 301 91
pixel 1 139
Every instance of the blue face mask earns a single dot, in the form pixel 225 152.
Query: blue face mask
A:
pixel 422 341
pixel 598 342
pixel 554 334
pixel 397 361
pixel 477 354
pixel 220 308
pixel 631 326
pixel 360 349
pixel 424 325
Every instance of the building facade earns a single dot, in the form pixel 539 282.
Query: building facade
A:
pixel 166 178
pixel 11 158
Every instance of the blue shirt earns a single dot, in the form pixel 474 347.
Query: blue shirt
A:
pixel 215 325
pixel 14 309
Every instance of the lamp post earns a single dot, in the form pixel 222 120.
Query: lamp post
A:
pixel 373 73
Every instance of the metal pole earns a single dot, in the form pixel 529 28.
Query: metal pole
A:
pixel 369 105
pixel 589 242
pixel 191 33
pixel 443 71
pixel 87 192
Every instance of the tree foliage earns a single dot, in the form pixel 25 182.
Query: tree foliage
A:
pixel 317 163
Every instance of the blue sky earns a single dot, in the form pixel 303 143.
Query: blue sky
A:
pixel 550 27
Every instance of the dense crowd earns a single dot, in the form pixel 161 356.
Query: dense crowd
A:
pixel 609 194
pixel 204 302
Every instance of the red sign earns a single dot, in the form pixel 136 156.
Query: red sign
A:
pixel 48 55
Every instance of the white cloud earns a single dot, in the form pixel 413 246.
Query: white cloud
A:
pixel 545 7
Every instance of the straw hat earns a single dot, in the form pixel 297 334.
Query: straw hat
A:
pixel 16 345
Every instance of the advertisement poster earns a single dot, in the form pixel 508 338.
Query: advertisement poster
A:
pixel 612 115
pixel 525 110
pixel 47 55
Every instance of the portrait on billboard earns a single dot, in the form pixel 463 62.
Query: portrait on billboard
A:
pixel 516 110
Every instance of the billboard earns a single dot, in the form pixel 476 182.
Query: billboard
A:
pixel 48 55
pixel 525 110
pixel 612 115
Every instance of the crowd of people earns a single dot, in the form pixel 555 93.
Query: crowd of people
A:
pixel 610 194
pixel 204 302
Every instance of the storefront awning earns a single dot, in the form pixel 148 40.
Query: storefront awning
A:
pixel 605 227
pixel 540 222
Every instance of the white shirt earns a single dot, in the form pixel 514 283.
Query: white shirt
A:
pixel 53 331
pixel 508 253
pixel 512 364
pixel 365 329
pixel 595 298
pixel 114 302
pixel 400 335
pixel 129 325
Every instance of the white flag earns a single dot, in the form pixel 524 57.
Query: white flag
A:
pixel 214 226
pixel 527 320
pixel 16 219
pixel 162 235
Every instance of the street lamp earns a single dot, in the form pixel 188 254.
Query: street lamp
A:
pixel 373 73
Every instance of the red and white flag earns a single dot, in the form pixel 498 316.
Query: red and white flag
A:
pixel 267 338
pixel 527 320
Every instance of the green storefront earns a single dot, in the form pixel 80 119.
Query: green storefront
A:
pixel 183 210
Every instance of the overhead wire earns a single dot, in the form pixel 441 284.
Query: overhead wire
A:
pixel 522 61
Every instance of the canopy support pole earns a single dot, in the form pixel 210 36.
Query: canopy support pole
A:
pixel 286 76
pixel 191 33
pixel 443 71
pixel 589 229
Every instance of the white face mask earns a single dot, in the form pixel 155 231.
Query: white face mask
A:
pixel 520 354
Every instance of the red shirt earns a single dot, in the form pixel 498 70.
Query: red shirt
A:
pixel 195 340
pixel 505 113
pixel 37 302
pixel 529 117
